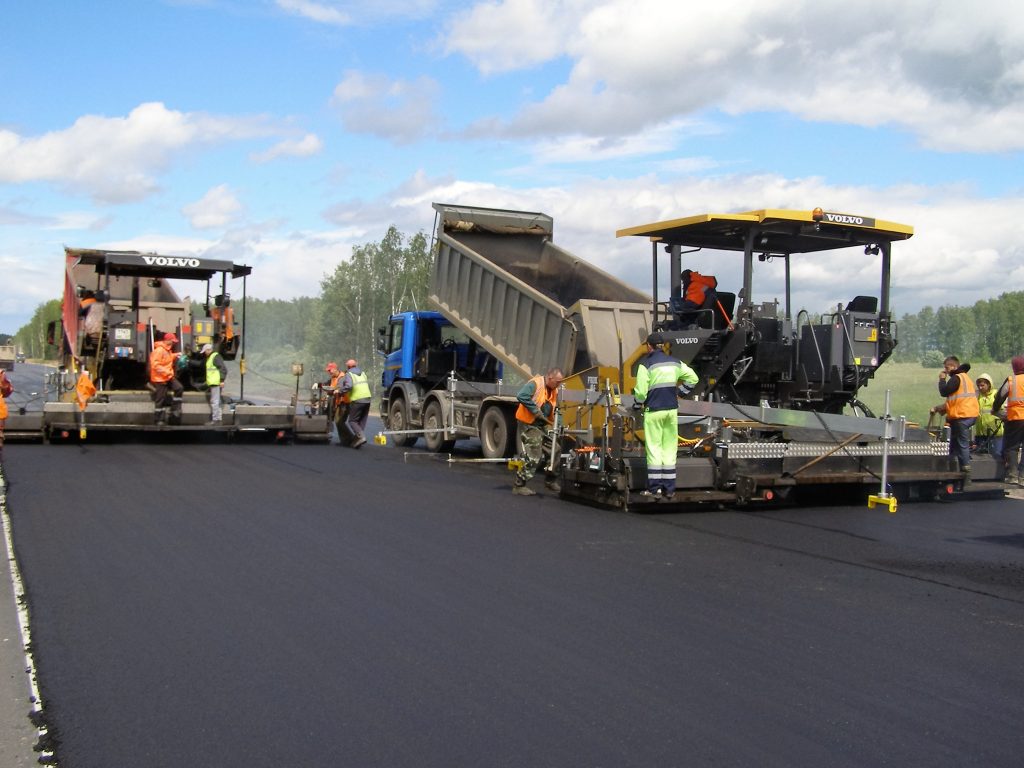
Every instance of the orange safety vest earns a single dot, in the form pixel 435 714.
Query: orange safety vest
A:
pixel 1015 399
pixel 963 404
pixel 697 287
pixel 5 390
pixel 161 363
pixel 541 395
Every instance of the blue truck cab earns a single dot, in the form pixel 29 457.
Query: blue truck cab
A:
pixel 426 347
pixel 436 376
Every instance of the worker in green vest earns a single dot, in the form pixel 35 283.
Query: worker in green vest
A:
pixel 357 387
pixel 659 378
pixel 216 373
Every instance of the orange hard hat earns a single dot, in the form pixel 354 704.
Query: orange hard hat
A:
pixel 351 363
pixel 170 337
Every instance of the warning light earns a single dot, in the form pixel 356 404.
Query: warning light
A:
pixel 769 495
pixel 817 214
pixel 65 434
pixel 949 490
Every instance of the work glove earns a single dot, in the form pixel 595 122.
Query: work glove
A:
pixel 684 390
pixel 638 405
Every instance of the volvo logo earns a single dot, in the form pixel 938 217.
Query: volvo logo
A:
pixel 170 261
pixel 845 218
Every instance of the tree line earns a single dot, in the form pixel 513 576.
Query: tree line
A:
pixel 988 330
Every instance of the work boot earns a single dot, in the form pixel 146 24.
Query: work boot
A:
pixel 967 476
pixel 522 490
pixel 553 485
pixel 1011 478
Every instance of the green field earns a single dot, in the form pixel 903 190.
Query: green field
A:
pixel 915 388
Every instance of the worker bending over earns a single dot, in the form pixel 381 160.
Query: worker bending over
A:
pixel 534 417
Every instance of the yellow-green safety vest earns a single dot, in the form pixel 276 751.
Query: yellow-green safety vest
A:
pixel 360 388
pixel 212 372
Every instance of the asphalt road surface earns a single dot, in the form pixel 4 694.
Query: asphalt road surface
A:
pixel 265 605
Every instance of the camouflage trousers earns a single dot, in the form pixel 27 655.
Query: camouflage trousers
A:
pixel 535 453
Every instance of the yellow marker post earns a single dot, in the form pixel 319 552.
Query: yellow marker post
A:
pixel 884 498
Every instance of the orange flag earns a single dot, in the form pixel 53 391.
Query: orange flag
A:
pixel 84 390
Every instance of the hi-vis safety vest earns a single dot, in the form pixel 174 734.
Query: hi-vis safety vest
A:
pixel 360 388
pixel 963 404
pixel 541 395
pixel 1015 399
pixel 212 371
pixel 5 390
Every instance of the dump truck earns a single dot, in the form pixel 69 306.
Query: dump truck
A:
pixel 8 356
pixel 507 301
pixel 116 306
pixel 774 418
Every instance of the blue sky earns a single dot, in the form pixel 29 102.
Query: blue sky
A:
pixel 281 133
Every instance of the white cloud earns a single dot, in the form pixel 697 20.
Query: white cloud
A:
pixel 344 13
pixel 398 110
pixel 513 34
pixel 117 159
pixel 308 145
pixel 942 70
pixel 218 208
pixel 952 228
pixel 323 13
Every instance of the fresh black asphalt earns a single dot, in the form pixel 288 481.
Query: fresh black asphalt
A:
pixel 270 605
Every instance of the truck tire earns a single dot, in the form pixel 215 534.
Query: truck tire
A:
pixel 433 418
pixel 398 419
pixel 497 433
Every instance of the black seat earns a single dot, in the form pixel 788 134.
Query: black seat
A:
pixel 863 304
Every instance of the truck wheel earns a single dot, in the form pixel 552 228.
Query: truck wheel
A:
pixel 496 433
pixel 398 420
pixel 434 419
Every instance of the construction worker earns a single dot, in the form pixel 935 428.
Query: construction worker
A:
pixel 697 290
pixel 216 373
pixel 1012 393
pixel 161 377
pixel 6 388
pixel 337 409
pixel 988 429
pixel 537 401
pixel 961 409
pixel 657 379
pixel 356 386
pixel 92 317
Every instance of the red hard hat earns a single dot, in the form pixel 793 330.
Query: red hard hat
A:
pixel 170 337
pixel 351 363
pixel 331 367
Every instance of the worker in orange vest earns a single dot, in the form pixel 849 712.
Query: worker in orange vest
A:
pixel 6 388
pixel 697 290
pixel 535 415
pixel 1012 393
pixel 167 390
pixel 961 409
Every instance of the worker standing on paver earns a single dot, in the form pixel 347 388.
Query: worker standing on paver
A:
pixel 1012 393
pixel 961 409
pixel 167 390
pixel 657 380
pixel 216 373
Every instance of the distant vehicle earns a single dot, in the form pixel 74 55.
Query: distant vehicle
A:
pixel 19 358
